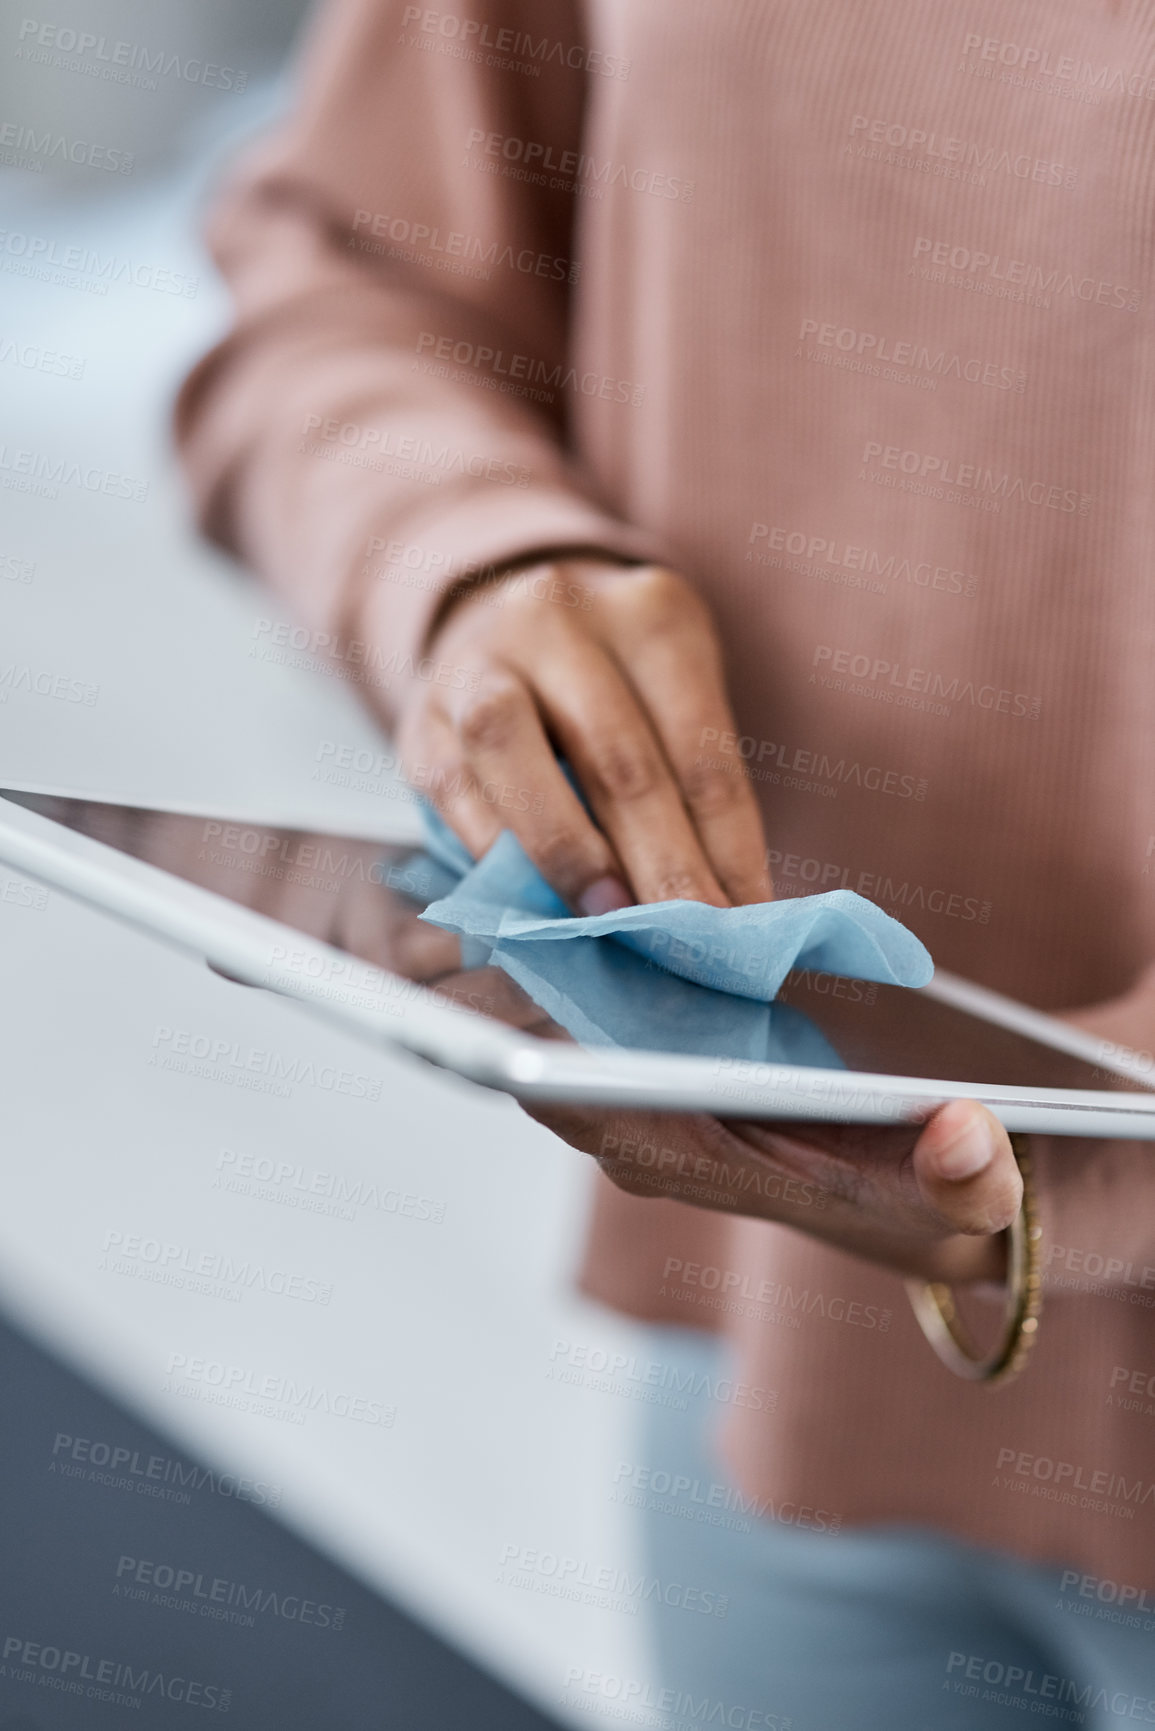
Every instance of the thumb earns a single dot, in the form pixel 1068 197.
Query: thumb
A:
pixel 966 1169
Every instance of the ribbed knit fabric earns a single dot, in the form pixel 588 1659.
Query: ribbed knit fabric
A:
pixel 846 311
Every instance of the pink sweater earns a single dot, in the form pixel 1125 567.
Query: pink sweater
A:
pixel 847 313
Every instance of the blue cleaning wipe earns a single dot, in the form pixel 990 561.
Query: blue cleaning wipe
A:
pixel 604 994
pixel 747 952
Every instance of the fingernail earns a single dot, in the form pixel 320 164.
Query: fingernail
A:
pixel 969 1153
pixel 604 896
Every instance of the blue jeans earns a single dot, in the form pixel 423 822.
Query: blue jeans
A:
pixel 876 1629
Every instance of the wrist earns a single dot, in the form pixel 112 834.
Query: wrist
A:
pixel 478 582
pixel 978 1262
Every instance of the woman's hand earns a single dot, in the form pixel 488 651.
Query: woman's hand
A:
pixel 928 1201
pixel 618 670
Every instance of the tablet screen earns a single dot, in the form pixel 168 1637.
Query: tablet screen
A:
pixel 367 899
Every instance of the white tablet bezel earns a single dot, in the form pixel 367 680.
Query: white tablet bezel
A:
pixel 378 1006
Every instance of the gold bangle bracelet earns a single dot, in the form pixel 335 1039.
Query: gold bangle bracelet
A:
pixel 935 1308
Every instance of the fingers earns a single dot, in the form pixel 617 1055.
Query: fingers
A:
pixel 658 1156
pixel 625 774
pixel 666 646
pixel 376 924
pixel 434 764
pixel 505 775
pixel 490 992
pixel 966 1169
pixel 629 689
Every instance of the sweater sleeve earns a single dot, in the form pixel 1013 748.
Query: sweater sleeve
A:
pixel 388 412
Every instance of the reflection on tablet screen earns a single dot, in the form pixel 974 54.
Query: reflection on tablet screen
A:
pixel 366 899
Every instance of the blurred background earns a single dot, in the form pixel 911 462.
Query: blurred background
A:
pixel 356 1557
pixel 108 298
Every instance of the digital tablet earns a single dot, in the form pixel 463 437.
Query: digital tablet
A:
pixel 335 924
